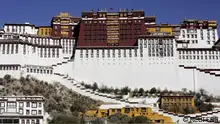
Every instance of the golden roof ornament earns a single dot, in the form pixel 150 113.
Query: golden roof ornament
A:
pixel 64 14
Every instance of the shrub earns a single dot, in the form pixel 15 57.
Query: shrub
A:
pixel 64 119
pixel 139 119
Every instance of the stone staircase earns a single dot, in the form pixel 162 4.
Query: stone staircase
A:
pixel 61 63
pixel 79 88
pixel 206 71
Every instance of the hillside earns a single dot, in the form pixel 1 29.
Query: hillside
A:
pixel 59 100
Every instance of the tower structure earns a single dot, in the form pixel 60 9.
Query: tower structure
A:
pixel 63 25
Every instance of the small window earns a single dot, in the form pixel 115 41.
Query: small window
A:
pixel 28 122
pixel 28 104
pixel 21 104
pixel 32 121
pixel 39 112
pixel 2 110
pixel 2 104
pixel 27 112
pixel 37 122
pixel 34 105
pixel 21 111
pixel 40 105
pixel 34 112
pixel 22 121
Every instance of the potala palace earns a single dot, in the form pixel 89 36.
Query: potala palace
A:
pixel 118 49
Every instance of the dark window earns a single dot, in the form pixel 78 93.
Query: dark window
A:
pixel 8 47
pixel 37 122
pixel 22 121
pixel 3 49
pixel 28 122
pixel 53 52
pixel 57 52
pixel 12 48
pixel 28 103
pixel 49 52
pixel 27 112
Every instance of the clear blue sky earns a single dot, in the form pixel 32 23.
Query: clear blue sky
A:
pixel 40 12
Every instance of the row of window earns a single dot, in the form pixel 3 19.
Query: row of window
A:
pixel 67 47
pixel 113 53
pixel 49 52
pixel 178 99
pixel 121 21
pixel 9 121
pixel 64 27
pixel 188 36
pixel 15 29
pixel 41 71
pixel 48 41
pixel 179 104
pixel 195 31
pixel 156 50
pixel 21 111
pixel 9 48
pixel 45 32
pixel 30 121
pixel 42 41
pixel 33 112
pixel 21 104
pixel 9 67
pixel 198 57
pixel 71 33
pixel 195 35
pixel 156 41
pixel 199 52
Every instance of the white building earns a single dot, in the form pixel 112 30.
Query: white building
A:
pixel 21 110
pixel 20 52
pixel 198 34
pixel 26 28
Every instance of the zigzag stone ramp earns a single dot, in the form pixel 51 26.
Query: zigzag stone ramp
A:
pixel 75 86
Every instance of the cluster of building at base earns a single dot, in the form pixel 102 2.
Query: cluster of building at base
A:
pixel 30 109
pixel 144 106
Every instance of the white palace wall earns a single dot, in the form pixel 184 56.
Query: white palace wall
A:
pixel 135 72
pixel 146 72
